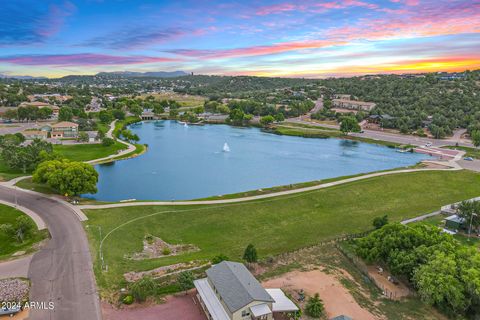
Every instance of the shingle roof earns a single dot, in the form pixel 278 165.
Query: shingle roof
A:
pixel 236 285
pixel 64 124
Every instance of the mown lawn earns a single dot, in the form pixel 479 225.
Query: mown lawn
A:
pixel 274 225
pixel 86 152
pixel 9 246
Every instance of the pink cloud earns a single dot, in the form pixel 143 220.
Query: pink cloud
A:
pixel 313 7
pixel 81 59
pixel 257 50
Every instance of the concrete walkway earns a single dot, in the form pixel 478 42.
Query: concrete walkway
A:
pixel 257 197
pixel 130 147
pixel 420 218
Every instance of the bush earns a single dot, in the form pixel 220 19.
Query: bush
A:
pixel 221 257
pixel 185 280
pixel 107 142
pixel 379 222
pixel 166 251
pixel 128 299
pixel 314 306
pixel 144 288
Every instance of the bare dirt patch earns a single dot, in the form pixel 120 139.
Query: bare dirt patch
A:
pixel 154 247
pixel 174 308
pixel 389 289
pixel 337 299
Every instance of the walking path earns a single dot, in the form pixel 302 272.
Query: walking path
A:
pixel 130 147
pixel 420 218
pixel 257 197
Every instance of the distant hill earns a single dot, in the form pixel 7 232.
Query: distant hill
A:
pixel 152 74
pixel 6 76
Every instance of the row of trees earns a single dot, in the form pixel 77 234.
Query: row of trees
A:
pixel 20 157
pixel 445 272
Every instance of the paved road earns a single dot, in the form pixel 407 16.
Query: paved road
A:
pixel 15 268
pixel 394 137
pixel 62 271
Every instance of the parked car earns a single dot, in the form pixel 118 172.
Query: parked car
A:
pixel 9 311
pixel 468 158
pixel 428 144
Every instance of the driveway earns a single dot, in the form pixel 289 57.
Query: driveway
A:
pixel 180 307
pixel 17 268
pixel 61 272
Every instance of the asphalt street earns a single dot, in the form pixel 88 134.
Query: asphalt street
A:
pixel 61 272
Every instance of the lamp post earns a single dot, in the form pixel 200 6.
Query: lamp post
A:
pixel 470 228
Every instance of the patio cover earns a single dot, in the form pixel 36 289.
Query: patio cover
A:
pixel 213 305
pixel 260 310
pixel 282 303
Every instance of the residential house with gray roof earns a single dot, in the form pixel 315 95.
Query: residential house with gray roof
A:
pixel 231 292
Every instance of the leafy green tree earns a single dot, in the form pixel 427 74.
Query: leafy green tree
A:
pixel 105 116
pixel 185 280
pixel 118 114
pixel 106 142
pixel 349 124
pixel 250 254
pixel 83 137
pixel 68 178
pixel 27 157
pixel 65 114
pixel 314 307
pixel 267 120
pixel 22 229
pixel 379 222
pixel 470 212
pixel 279 117
pixel 475 135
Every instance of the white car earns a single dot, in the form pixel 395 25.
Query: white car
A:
pixel 428 144
pixel 9 311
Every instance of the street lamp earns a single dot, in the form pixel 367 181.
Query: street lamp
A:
pixel 470 228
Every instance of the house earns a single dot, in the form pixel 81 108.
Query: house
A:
pixel 148 115
pixel 92 136
pixel 353 104
pixel 454 222
pixel 231 292
pixel 64 129
pixel 35 134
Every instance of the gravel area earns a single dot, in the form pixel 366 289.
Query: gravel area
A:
pixel 13 290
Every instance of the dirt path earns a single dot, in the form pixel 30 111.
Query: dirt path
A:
pixel 337 299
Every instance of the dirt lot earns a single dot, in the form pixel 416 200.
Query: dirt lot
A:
pixel 175 308
pixel 337 299
pixel 395 292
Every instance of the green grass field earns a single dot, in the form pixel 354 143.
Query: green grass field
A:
pixel 7 173
pixel 86 152
pixel 273 225
pixel 9 246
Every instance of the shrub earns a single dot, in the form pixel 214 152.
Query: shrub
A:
pixel 143 288
pixel 185 280
pixel 128 299
pixel 314 306
pixel 166 251
pixel 221 257
pixel 107 142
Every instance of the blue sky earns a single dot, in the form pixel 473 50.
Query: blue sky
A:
pixel 266 38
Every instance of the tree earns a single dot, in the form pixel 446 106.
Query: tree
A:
pixel 221 257
pixel 83 137
pixel 106 142
pixel 69 178
pixel 470 212
pixel 349 124
pixel 185 280
pixel 22 229
pixel 118 114
pixel 105 116
pixel 24 158
pixel 65 114
pixel 379 222
pixel 250 254
pixel 314 307
pixel 475 135
pixel 279 117
pixel 267 120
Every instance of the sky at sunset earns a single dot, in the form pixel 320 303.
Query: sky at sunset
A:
pixel 263 38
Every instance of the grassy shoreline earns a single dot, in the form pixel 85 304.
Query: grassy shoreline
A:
pixel 276 225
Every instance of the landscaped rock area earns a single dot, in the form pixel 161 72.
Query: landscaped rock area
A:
pixel 164 271
pixel 154 247
pixel 13 290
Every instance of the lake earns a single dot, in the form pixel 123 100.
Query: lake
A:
pixel 188 162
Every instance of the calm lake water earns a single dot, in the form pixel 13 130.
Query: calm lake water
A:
pixel 191 162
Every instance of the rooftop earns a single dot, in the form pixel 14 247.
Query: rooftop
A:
pixel 64 124
pixel 236 285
